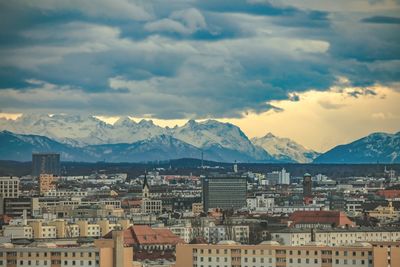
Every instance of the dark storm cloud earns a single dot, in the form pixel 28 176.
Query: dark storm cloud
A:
pixel 382 20
pixel 181 58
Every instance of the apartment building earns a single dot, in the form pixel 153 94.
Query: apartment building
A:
pixel 101 253
pixel 336 237
pixel 272 254
pixel 184 232
pixel 216 233
pixel 9 187
pixel 65 193
pixel 15 207
pixel 260 203
pixel 197 208
pixel 151 206
pixel 47 183
pixel 37 229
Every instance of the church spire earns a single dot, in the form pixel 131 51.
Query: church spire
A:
pixel 146 188
pixel 145 184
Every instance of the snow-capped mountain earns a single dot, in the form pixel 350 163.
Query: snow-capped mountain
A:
pixel 214 135
pixel 162 147
pixel 217 140
pixel 80 131
pixel 20 147
pixel 376 147
pixel 285 149
pixel 90 139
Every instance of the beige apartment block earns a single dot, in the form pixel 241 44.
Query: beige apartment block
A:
pixel 46 183
pixel 87 229
pixel 197 208
pixel 336 237
pixel 9 187
pixel 271 254
pixel 101 253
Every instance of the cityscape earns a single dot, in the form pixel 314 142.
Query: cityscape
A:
pixel 200 133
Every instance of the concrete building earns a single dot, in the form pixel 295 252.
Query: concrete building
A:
pixel 39 229
pixel 101 253
pixel 197 208
pixel 183 232
pixel 271 254
pixel 46 183
pixel 284 177
pixel 260 203
pixel 9 187
pixel 215 233
pixel 15 207
pixel 46 163
pixel 151 206
pixel 272 178
pixel 336 237
pixel 224 192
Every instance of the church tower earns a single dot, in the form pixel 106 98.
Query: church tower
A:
pixel 146 188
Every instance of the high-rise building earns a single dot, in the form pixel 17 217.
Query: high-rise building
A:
pixel 307 185
pixel 224 192
pixel 284 177
pixel 278 177
pixel 48 163
pixel 273 178
pixel 9 187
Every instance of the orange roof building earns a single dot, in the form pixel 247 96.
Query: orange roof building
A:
pixel 145 237
pixel 319 219
pixel 150 243
pixel 388 194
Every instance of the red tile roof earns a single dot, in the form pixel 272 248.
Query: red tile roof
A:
pixel 335 218
pixel 389 193
pixel 145 235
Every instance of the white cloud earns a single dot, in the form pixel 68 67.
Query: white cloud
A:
pixel 183 22
pixel 117 9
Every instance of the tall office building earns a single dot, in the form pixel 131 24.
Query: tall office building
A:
pixel 284 177
pixel 307 185
pixel 225 192
pixel 9 187
pixel 278 177
pixel 48 163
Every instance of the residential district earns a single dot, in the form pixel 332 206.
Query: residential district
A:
pixel 221 218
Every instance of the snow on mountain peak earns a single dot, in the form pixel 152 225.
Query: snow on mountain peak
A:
pixel 285 149
pixel 80 131
pixel 124 122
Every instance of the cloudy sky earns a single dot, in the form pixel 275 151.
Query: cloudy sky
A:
pixel 319 72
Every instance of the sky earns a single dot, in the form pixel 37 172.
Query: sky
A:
pixel 320 72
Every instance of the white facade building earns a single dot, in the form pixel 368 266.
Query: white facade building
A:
pixel 9 187
pixel 336 237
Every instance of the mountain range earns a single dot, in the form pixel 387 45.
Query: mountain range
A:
pixel 374 148
pixel 90 139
